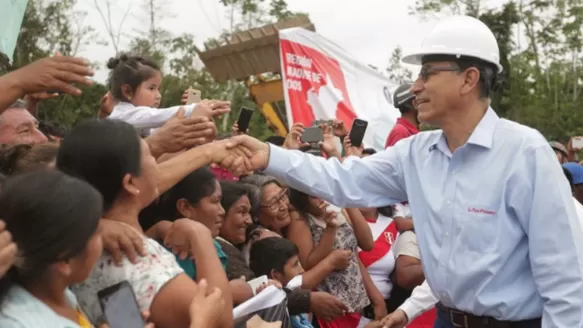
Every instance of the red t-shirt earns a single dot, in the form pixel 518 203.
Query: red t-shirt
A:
pixel 401 130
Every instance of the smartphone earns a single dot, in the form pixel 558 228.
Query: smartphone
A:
pixel 119 306
pixel 255 283
pixel 244 119
pixel 577 143
pixel 313 134
pixel 320 122
pixel 357 132
pixel 193 96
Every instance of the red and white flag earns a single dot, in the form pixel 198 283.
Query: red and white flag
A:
pixel 323 81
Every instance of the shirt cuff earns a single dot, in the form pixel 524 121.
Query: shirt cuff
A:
pixel 411 310
pixel 277 162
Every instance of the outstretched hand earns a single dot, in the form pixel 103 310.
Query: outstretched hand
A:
pixel 240 154
pixel 52 74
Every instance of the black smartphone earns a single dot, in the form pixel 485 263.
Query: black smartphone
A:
pixel 313 134
pixel 244 119
pixel 119 306
pixel 357 132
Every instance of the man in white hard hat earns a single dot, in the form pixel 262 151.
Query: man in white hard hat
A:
pixel 497 230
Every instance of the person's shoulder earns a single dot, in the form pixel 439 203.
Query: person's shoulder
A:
pixel 22 310
pixel 519 134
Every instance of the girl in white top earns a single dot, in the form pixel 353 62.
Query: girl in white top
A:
pixel 134 85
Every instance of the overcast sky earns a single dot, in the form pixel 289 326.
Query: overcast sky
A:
pixel 369 29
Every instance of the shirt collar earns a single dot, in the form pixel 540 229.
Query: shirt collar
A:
pixel 483 134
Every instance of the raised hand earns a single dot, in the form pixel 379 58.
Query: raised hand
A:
pixel 211 108
pixel 340 129
pixel 351 150
pixel 121 240
pixel 185 236
pixel 180 132
pixel 52 74
pixel 293 139
pixel 235 130
pixel 331 219
pixel 328 146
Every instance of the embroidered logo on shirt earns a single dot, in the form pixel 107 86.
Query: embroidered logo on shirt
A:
pixel 481 211
pixel 390 237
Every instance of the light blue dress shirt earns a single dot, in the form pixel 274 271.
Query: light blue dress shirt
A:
pixel 495 220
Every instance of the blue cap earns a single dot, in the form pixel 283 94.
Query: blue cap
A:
pixel 576 170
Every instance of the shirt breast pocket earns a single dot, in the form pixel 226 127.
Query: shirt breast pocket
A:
pixel 479 228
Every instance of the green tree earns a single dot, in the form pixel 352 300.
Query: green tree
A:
pixel 396 71
pixel 48 27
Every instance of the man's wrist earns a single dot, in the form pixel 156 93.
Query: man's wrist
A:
pixel 407 311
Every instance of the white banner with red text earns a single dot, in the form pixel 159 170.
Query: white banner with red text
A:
pixel 323 81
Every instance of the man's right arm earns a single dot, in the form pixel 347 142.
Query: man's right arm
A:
pixel 373 181
pixel 421 300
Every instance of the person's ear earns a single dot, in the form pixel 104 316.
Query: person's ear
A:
pixel 276 275
pixel 471 80
pixel 184 208
pixel 127 91
pixel 129 186
pixel 64 268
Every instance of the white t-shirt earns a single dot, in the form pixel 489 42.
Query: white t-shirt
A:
pixel 380 270
pixel 146 278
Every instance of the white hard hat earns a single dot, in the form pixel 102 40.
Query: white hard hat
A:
pixel 459 36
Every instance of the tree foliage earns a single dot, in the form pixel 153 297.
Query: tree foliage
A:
pixel 51 26
pixel 395 71
pixel 540 48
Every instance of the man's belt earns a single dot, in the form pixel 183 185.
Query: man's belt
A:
pixel 460 319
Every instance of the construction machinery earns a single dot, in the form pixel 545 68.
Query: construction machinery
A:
pixel 252 56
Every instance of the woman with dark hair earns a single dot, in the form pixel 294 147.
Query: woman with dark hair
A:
pixel 197 197
pixel 236 202
pixel 110 156
pixel 273 215
pixel 318 230
pixel 54 220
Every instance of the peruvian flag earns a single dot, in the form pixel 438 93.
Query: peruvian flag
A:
pixel 323 81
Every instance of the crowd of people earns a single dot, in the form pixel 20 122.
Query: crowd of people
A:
pixel 444 228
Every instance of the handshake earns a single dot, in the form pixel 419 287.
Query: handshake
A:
pixel 239 154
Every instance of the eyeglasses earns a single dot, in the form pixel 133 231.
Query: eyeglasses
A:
pixel 427 71
pixel 274 203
